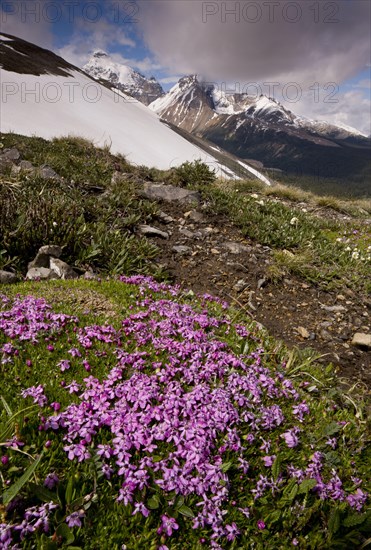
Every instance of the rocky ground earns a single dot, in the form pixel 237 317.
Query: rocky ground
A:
pixel 209 255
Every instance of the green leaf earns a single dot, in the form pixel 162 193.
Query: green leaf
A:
pixel 185 511
pixel 354 519
pixel 65 532
pixel 276 467
pixel 331 429
pixel 43 493
pixel 6 406
pixel 273 517
pixel 153 503
pixel 226 466
pixel 179 502
pixel 334 522
pixel 306 486
pixel 13 491
pixel 70 490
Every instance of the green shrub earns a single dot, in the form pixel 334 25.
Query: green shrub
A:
pixel 195 173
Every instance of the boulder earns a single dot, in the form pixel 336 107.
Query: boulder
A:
pixel 42 258
pixel 42 273
pixel 169 193
pixel 47 172
pixel 7 278
pixel 62 269
pixel 11 154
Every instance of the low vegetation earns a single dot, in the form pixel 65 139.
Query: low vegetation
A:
pixel 134 414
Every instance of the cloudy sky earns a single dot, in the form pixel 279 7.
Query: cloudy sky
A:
pixel 314 57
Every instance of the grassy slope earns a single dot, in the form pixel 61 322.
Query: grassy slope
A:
pixel 107 524
pixel 95 220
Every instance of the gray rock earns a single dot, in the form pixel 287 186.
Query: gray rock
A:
pixel 51 250
pixel 186 233
pixel 195 216
pixel 150 231
pixel 42 258
pixel 235 248
pixel 182 250
pixel 240 285
pixel 42 273
pixel 26 165
pixel 12 154
pixel 7 278
pixel 333 309
pixel 169 193
pixel 63 270
pixel 261 283
pixel 90 276
pixel 362 341
pixel 47 172
pixel 165 218
pixel 5 165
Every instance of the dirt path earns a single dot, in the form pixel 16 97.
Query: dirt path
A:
pixel 211 256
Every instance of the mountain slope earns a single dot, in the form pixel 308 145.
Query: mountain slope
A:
pixel 102 67
pixel 260 128
pixel 44 95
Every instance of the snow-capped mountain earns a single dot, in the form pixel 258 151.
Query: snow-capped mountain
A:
pixel 44 95
pixel 101 66
pixel 261 128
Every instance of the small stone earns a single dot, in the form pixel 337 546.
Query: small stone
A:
pixel 42 273
pixel 240 285
pixel 303 332
pixel 165 218
pixel 90 276
pixel 333 309
pixel 261 283
pixel 214 251
pixel 235 248
pixel 7 278
pixel 196 217
pixel 362 341
pixel 325 335
pixel 340 297
pixel 182 250
pixel 186 233
pixel 150 231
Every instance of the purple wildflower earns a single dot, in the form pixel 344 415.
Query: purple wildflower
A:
pixel 74 519
pixel 168 525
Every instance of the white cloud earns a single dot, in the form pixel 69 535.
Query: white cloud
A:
pixel 30 25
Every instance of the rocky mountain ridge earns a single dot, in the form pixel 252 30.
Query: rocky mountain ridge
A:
pixel 101 66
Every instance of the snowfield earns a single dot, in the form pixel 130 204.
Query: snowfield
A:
pixel 53 106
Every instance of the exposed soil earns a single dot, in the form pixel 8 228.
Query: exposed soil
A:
pixel 292 310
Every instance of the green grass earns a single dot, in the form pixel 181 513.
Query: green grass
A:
pixel 321 249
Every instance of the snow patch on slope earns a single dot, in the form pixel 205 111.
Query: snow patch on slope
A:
pixel 95 113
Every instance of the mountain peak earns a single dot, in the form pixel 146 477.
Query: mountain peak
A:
pixel 100 53
pixel 101 66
